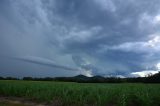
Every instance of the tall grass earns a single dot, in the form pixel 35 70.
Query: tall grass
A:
pixel 84 94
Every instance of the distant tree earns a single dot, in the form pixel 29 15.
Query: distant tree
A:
pixel 11 78
pixel 27 78
pixel 48 79
pixel 1 78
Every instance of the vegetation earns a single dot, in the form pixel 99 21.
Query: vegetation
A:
pixel 83 94
pixel 96 79
pixel 84 91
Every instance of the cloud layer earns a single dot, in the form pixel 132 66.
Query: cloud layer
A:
pixel 98 37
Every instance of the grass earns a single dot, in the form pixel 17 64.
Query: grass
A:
pixel 84 94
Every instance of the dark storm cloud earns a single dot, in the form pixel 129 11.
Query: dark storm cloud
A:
pixel 99 36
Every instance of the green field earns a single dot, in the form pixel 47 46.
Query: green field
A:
pixel 83 94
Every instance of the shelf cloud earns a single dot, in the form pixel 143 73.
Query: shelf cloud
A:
pixel 45 62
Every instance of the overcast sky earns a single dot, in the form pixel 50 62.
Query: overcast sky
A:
pixel 43 38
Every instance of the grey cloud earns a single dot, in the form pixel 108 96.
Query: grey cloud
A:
pixel 111 34
pixel 82 63
pixel 138 47
pixel 45 62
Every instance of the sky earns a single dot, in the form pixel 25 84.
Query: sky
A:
pixel 49 38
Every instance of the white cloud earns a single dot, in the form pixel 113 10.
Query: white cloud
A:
pixel 147 72
pixel 158 66
pixel 149 22
pixel 144 73
pixel 87 73
pixel 156 19
pixel 154 42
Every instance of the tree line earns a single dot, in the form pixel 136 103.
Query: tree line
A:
pixel 96 79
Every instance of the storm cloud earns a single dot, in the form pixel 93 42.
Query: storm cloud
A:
pixel 45 62
pixel 91 37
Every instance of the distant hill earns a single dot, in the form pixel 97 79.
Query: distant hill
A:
pixel 81 77
pixel 95 79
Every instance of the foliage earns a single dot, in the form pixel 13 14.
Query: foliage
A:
pixel 84 94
